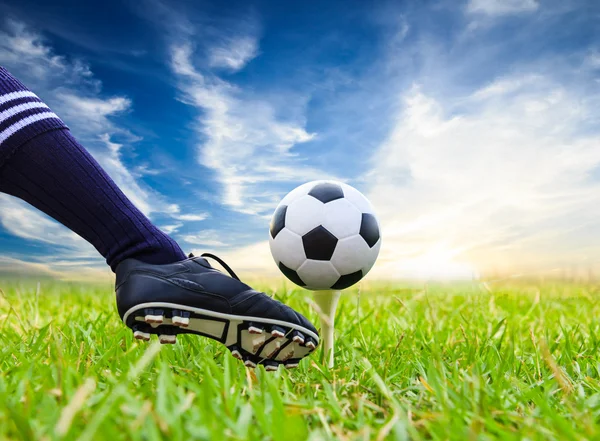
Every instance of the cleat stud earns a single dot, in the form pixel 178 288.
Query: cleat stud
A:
pixel 271 367
pixel 291 365
pixel 178 320
pixel 257 342
pixel 298 338
pixel 154 319
pixel 166 339
pixel 310 344
pixel 277 332
pixel 139 335
pixel 236 354
pixel 254 329
pixel 277 346
pixel 249 363
pixel 287 356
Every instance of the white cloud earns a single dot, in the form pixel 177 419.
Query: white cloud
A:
pixel 592 60
pixel 235 53
pixel 26 51
pixel 57 270
pixel 246 144
pixel 253 260
pixel 207 238
pixel 501 7
pixel 172 228
pixel 21 220
pixel 90 113
pixel 191 217
pixel 501 181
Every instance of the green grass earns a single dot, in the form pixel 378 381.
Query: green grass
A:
pixel 461 363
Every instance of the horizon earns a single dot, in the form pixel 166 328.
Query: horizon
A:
pixel 471 127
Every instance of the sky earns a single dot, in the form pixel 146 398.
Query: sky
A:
pixel 472 126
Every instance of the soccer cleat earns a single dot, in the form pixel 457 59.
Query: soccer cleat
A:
pixel 191 297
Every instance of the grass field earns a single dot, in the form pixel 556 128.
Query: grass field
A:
pixel 447 362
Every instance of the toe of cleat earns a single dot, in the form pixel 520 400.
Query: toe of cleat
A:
pixel 167 339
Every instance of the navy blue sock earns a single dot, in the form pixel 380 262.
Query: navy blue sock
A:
pixel 41 163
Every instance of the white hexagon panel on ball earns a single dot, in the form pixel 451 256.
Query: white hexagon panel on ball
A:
pixel 324 236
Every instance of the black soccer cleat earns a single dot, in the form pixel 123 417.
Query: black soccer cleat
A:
pixel 191 297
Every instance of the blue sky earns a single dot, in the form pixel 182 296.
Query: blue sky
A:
pixel 472 126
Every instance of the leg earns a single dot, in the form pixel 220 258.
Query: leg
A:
pixel 159 291
pixel 41 163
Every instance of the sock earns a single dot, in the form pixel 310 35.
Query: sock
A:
pixel 41 163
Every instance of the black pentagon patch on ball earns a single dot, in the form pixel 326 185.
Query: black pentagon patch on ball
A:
pixel 326 192
pixel 369 230
pixel 278 221
pixel 319 244
pixel 291 274
pixel 348 280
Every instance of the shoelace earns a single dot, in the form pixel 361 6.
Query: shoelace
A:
pixel 221 262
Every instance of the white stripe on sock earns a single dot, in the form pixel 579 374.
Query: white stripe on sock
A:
pixel 20 108
pixel 6 133
pixel 16 95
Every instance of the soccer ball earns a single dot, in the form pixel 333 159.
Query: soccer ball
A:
pixel 324 235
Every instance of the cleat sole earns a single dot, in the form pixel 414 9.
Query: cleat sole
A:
pixel 282 343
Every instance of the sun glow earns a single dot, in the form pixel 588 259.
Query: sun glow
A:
pixel 438 262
